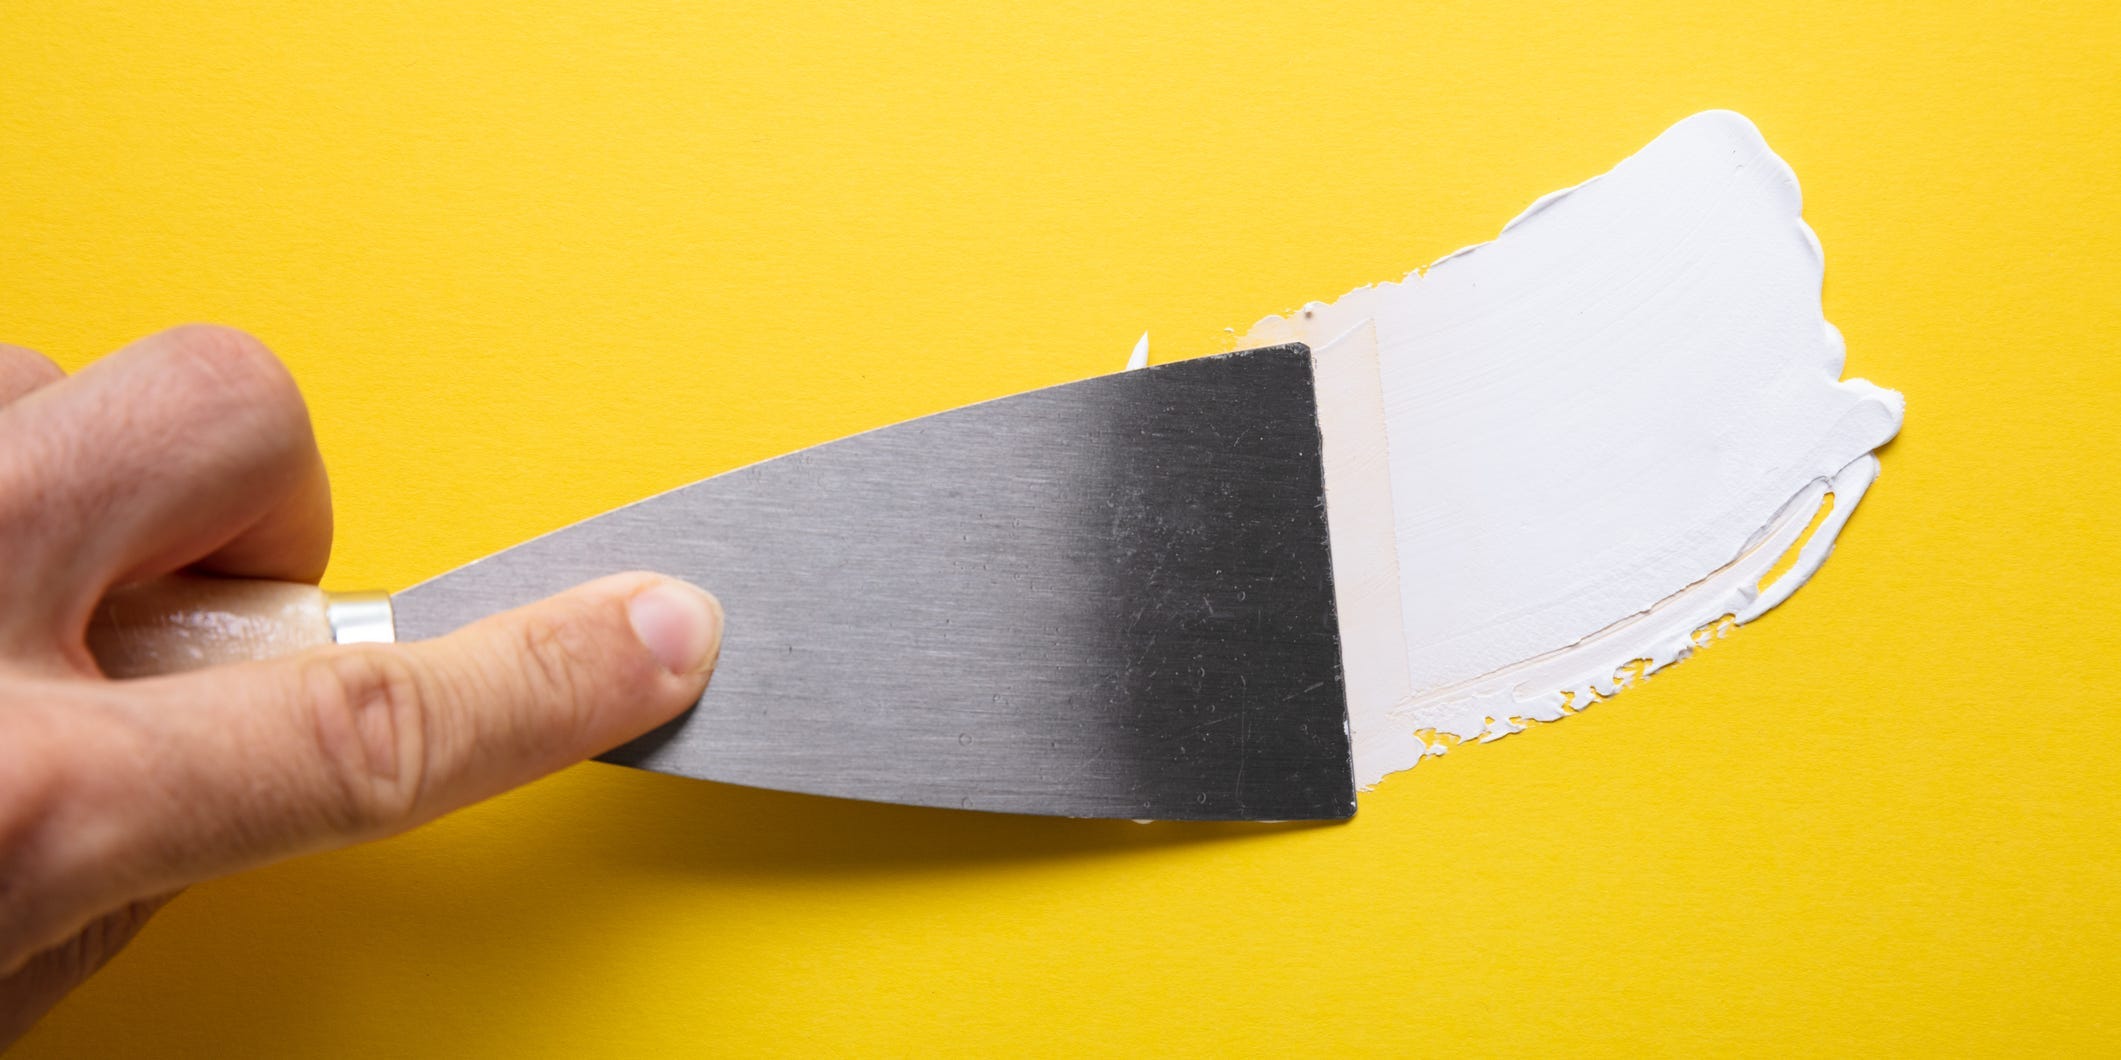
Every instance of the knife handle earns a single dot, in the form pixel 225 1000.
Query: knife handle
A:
pixel 186 622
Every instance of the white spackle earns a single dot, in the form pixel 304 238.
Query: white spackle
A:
pixel 1599 432
pixel 1139 359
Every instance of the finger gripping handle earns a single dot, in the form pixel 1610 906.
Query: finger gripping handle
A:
pixel 186 622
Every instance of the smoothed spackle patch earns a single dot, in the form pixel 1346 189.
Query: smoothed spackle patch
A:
pixel 1581 451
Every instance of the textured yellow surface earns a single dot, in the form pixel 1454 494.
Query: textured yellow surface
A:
pixel 532 261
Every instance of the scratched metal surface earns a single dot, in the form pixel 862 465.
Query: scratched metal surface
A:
pixel 1111 598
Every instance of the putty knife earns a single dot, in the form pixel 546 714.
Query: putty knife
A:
pixel 1109 598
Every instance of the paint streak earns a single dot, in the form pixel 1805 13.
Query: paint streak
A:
pixel 1568 455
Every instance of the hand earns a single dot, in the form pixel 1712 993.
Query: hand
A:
pixel 192 450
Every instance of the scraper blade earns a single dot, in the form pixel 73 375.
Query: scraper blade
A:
pixel 1110 598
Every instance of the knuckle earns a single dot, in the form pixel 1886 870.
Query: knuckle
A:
pixel 554 652
pixel 228 353
pixel 232 367
pixel 371 721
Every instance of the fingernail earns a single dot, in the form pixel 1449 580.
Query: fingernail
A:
pixel 681 625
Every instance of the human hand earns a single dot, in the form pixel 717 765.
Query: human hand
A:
pixel 191 450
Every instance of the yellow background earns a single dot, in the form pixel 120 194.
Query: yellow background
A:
pixel 533 261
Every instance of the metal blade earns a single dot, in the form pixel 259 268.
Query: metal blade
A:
pixel 1110 598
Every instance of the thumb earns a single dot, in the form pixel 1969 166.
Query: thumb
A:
pixel 220 769
pixel 391 737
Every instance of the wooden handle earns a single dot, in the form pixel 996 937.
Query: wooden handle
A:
pixel 186 622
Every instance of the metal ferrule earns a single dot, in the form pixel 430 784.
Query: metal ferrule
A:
pixel 360 618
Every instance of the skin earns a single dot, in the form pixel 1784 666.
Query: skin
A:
pixel 191 450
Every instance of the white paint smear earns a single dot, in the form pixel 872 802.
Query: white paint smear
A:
pixel 1599 433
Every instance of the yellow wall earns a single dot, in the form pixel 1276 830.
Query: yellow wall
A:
pixel 530 264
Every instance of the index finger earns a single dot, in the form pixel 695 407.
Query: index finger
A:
pixel 191 448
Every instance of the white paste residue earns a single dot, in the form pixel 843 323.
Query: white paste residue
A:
pixel 1600 431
